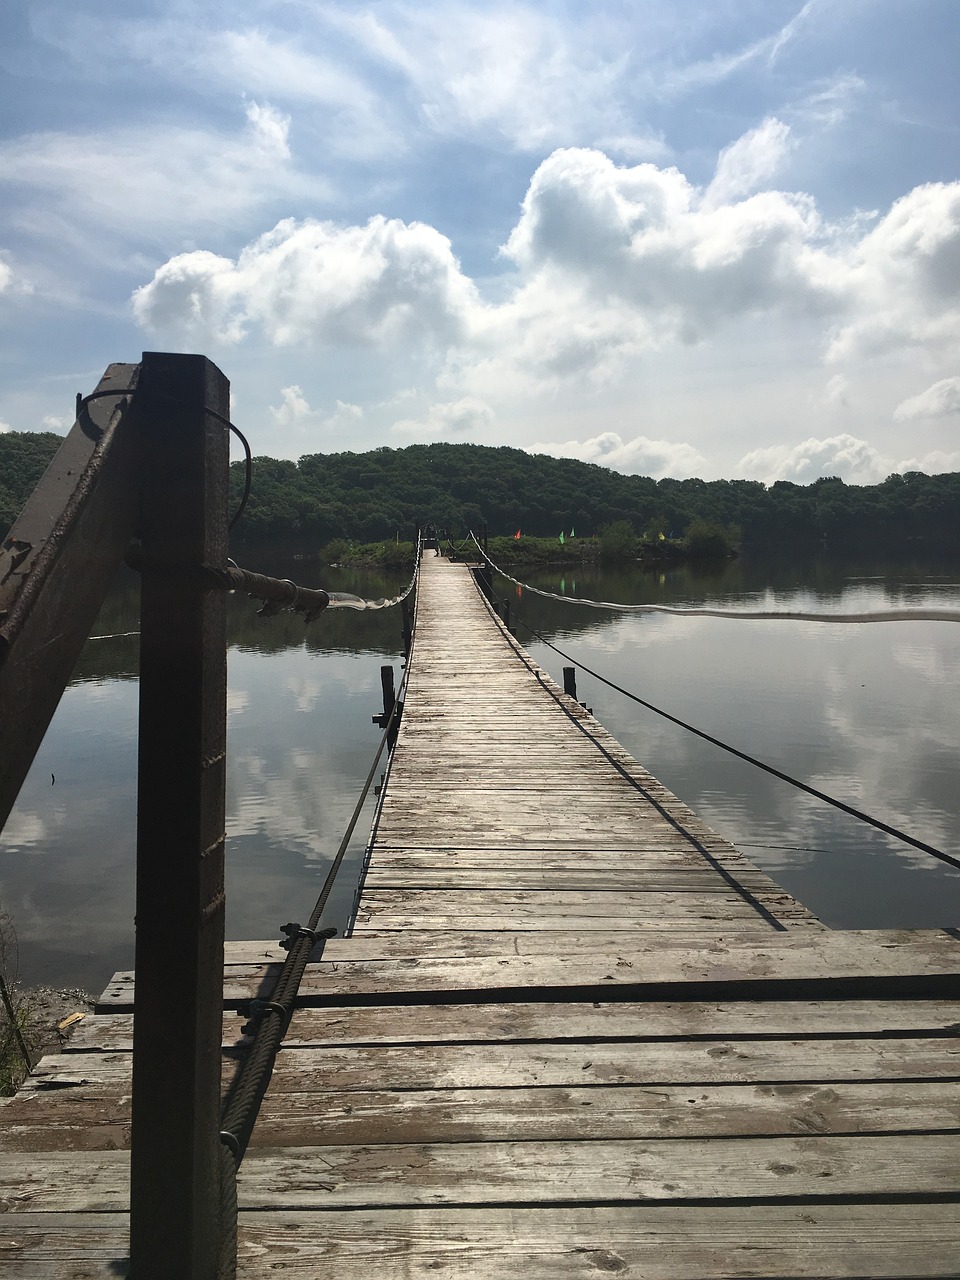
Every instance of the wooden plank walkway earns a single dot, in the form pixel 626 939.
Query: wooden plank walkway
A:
pixel 574 1033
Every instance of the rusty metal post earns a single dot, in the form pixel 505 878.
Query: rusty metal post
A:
pixel 175 1164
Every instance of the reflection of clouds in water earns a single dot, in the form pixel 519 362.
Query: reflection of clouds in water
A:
pixel 293 769
pixel 306 690
pixel 937 666
pixel 860 712
pixel 300 798
pixel 23 831
pixel 237 701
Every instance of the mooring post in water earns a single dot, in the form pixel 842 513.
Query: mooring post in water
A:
pixel 407 627
pixel 389 702
pixel 570 682
pixel 175 1160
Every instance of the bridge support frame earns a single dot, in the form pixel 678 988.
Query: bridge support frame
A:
pixel 175 1217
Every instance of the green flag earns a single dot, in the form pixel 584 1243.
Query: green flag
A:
pixel 562 538
pixel 572 534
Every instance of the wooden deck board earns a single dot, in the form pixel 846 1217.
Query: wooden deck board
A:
pixel 669 1242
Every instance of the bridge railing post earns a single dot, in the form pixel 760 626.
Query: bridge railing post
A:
pixel 175 1165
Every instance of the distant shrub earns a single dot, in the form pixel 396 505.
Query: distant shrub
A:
pixel 705 540
pixel 618 541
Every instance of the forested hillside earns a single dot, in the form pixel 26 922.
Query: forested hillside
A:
pixel 368 496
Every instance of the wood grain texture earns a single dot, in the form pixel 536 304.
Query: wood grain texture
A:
pixel 533 1173
pixel 669 1242
pixel 319 1116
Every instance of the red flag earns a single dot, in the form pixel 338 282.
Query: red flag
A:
pixel 516 536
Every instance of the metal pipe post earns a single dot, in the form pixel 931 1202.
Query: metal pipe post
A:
pixel 175 1164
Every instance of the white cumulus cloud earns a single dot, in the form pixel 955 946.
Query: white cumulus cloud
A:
pixel 904 281
pixel 845 456
pixel 316 282
pixel 935 463
pixel 642 237
pixel 639 456
pixel 938 401
pixel 607 264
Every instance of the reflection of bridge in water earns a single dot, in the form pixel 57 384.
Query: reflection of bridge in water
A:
pixel 573 1032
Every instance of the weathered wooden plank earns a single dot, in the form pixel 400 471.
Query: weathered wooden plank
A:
pixel 507 1064
pixel 494 879
pixel 891 963
pixel 669 1242
pixel 413 1024
pixel 318 1116
pixel 110 1032
pixel 446 1065
pixel 397 944
pixel 523 1172
pixel 511 905
pixel 570 1113
pixel 701 923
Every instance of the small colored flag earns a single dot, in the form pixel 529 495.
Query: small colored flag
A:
pixel 663 537
pixel 562 538
pixel 572 534
pixel 516 536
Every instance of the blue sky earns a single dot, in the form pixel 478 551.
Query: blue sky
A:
pixel 687 238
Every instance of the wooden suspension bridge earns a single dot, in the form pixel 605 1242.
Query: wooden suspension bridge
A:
pixel 573 1032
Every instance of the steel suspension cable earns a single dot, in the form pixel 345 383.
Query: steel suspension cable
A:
pixel 694 611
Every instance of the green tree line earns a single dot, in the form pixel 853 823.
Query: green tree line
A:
pixel 385 492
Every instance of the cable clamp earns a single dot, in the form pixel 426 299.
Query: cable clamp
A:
pixel 296 931
pixel 257 1008
pixel 255 1011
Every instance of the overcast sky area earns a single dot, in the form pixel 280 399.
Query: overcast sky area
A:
pixel 715 238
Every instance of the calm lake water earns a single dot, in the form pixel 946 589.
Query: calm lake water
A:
pixel 865 712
